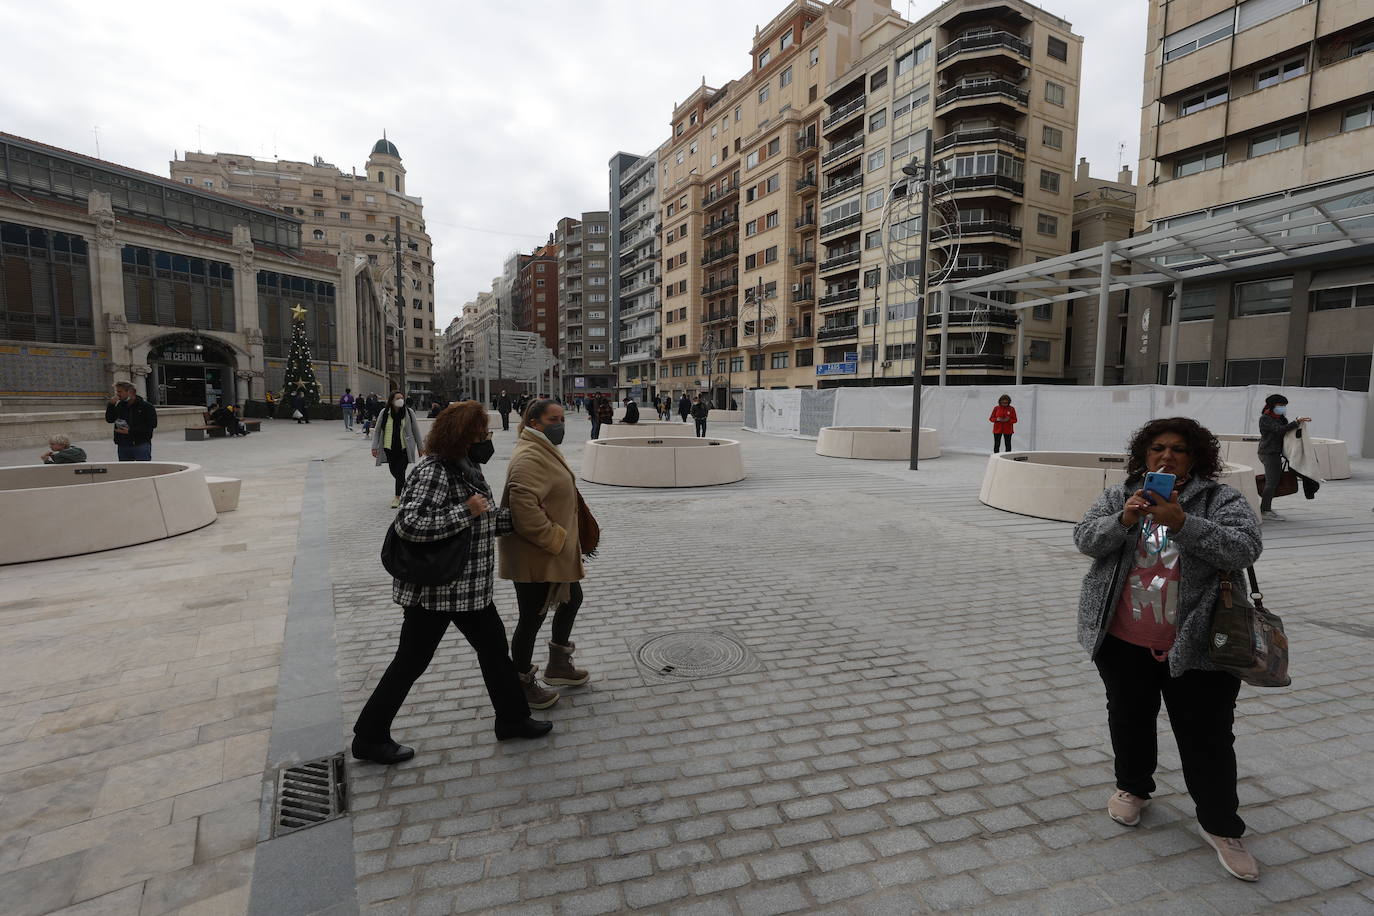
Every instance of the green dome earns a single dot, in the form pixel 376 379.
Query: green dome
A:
pixel 386 148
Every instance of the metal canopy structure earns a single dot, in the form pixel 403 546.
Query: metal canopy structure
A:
pixel 1329 220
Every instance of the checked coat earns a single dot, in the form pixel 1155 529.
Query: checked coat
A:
pixel 434 506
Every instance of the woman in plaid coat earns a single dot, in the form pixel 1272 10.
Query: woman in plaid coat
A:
pixel 445 494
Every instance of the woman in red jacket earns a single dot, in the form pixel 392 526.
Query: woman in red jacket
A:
pixel 1003 421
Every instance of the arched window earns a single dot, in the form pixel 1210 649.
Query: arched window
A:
pixel 370 237
pixel 319 235
pixel 381 176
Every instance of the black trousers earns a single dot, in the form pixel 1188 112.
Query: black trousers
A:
pixel 530 598
pixel 421 632
pixel 397 460
pixel 998 439
pixel 1201 708
pixel 505 419
pixel 1273 472
pixel 701 427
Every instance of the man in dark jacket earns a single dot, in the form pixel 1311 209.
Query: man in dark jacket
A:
pixel 684 407
pixel 631 411
pixel 602 414
pixel 503 406
pixel 699 411
pixel 134 420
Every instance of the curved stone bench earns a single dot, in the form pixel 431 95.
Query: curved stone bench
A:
pixel 883 443
pixel 662 462
pixel 648 430
pixel 1333 458
pixel 1063 485
pixel 61 510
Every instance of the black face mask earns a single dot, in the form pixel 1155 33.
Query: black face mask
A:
pixel 481 452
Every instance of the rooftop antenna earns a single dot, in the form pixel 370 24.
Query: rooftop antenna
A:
pixel 199 143
pixel 96 130
pixel 1120 156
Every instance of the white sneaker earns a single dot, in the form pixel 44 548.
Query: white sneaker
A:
pixel 1269 515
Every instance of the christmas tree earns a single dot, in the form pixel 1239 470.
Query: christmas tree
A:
pixel 299 373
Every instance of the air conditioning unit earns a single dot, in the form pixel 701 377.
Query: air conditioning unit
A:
pixel 944 82
pixel 887 364
pixel 791 322
pixel 796 287
pixel 1025 75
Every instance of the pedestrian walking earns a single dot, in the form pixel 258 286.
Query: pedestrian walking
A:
pixel 684 407
pixel 700 410
pixel 605 414
pixel 393 442
pixel 299 408
pixel 365 413
pixel 503 407
pixel 134 420
pixel 665 408
pixel 348 404
pixel 1273 426
pixel 543 557
pixel 1144 615
pixel 631 411
pixel 1003 420
pixel 446 495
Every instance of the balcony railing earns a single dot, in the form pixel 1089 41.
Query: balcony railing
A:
pixel 988 182
pixel 982 42
pixel 843 260
pixel 805 257
pixel 807 143
pixel 805 294
pixel 840 187
pixel 725 315
pixel 840 150
pixel 980 227
pixel 730 190
pixel 837 333
pixel 717 254
pixel 717 286
pixel 963 272
pixel 716 225
pixel 846 295
pixel 984 135
pixel 845 112
pixel 846 222
pixel 803 333
pixel 806 219
pixel 967 319
pixel 972 361
pixel 1003 88
pixel 805 183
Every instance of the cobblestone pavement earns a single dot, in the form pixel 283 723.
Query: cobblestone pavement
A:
pixel 922 732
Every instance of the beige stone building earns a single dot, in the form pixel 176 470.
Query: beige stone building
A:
pixel 777 183
pixel 584 304
pixel 362 209
pixel 1246 103
pixel 1103 211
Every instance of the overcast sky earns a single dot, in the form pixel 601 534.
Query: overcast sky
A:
pixel 505 113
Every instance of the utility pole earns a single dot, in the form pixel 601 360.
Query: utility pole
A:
pixel 500 371
pixel 925 172
pixel 400 314
pixel 873 363
pixel 758 337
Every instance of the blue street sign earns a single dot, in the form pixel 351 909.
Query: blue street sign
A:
pixel 837 368
pixel 851 356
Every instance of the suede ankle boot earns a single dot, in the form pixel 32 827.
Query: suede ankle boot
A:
pixel 560 669
pixel 538 697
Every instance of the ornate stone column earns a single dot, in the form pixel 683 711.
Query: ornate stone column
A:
pixel 250 384
pixel 346 315
pixel 107 293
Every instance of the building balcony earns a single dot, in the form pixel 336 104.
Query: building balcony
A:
pixel 848 259
pixel 993 361
pixel 724 315
pixel 840 187
pixel 990 43
pixel 841 297
pixel 995 227
pixel 638 284
pixel 998 91
pixel 640 356
pixel 843 150
pixel 719 254
pixel 844 113
pixel 850 223
pixel 966 271
pixel 719 225
pixel 980 137
pixel 806 184
pixel 731 189
pixel 805 294
pixel 807 144
pixel 806 220
pixel 977 183
pixel 629 260
pixel 803 258
pixel 803 333
pixel 988 318
pixel 715 287
pixel 838 332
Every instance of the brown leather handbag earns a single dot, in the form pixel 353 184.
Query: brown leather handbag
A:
pixel 1246 639
pixel 1288 483
pixel 588 531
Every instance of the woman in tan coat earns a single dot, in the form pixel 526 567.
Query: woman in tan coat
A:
pixel 543 558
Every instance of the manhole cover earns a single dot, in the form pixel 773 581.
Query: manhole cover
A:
pixel 691 654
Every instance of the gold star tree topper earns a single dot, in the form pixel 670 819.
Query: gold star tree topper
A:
pixel 298 312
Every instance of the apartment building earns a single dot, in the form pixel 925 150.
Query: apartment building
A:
pixel 337 208
pixel 635 303
pixel 997 85
pixel 1103 211
pixel 1248 102
pixel 534 299
pixel 737 203
pixel 584 323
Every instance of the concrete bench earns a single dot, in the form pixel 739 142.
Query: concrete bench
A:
pixel 215 431
pixel 224 492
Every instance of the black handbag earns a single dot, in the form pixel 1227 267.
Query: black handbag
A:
pixel 427 562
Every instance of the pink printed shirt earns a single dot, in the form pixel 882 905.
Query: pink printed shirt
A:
pixel 1147 613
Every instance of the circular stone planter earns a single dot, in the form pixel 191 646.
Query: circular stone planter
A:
pixel 1333 458
pixel 1064 485
pixel 662 462
pixel 882 443
pixel 646 430
pixel 61 510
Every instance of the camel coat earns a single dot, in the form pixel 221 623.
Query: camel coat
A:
pixel 541 492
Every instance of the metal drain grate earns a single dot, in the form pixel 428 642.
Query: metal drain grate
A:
pixel 691 654
pixel 309 793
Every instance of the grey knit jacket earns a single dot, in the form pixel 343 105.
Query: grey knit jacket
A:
pixel 1220 532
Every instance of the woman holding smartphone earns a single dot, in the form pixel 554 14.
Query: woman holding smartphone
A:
pixel 1144 615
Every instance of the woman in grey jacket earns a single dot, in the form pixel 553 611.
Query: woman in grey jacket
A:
pixel 1273 426
pixel 396 438
pixel 1144 615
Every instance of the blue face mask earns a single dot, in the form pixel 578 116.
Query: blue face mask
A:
pixel 1281 410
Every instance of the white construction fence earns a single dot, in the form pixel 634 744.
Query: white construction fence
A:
pixel 1057 417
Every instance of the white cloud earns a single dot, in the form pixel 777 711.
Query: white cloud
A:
pixel 506 113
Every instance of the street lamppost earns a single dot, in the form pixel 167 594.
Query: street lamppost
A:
pixel 400 308
pixel 922 173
